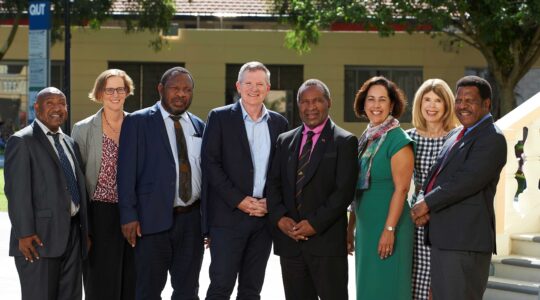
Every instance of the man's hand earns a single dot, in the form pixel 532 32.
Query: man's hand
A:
pixel 303 230
pixel 26 246
pixel 131 231
pixel 419 210
pixel 253 207
pixel 421 221
pixel 286 225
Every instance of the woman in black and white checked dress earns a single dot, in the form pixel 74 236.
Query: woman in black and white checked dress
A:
pixel 433 118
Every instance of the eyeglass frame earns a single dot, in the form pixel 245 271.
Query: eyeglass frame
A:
pixel 119 90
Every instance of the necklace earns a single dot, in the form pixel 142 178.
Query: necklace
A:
pixel 109 124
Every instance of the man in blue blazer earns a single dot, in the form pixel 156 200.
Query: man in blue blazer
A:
pixel 238 145
pixel 459 195
pixel 159 187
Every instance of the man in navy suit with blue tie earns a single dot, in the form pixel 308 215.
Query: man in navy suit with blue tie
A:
pixel 159 186
pixel 237 148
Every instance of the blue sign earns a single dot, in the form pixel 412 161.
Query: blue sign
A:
pixel 40 14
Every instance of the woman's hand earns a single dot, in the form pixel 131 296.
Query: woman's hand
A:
pixel 386 244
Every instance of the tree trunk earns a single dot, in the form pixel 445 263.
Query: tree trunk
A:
pixel 507 98
pixel 11 35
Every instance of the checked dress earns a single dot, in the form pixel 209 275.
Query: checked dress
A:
pixel 427 150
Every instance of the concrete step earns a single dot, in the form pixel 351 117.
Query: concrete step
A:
pixel 526 244
pixel 508 289
pixel 516 267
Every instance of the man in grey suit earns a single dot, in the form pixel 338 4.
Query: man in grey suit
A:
pixel 46 196
pixel 459 194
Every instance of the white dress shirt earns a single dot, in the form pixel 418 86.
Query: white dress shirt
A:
pixel 193 143
pixel 69 152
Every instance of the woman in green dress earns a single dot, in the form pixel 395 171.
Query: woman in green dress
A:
pixel 384 230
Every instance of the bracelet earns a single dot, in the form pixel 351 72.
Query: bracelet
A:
pixel 390 228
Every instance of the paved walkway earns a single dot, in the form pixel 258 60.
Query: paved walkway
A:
pixel 272 289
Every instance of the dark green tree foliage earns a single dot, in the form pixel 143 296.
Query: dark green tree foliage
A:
pixel 140 15
pixel 507 33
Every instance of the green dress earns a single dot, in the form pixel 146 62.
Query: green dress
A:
pixel 377 278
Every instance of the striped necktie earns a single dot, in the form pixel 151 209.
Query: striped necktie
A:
pixel 302 165
pixel 184 167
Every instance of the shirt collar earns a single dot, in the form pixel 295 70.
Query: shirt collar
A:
pixel 165 114
pixel 316 130
pixel 47 130
pixel 264 116
pixel 488 115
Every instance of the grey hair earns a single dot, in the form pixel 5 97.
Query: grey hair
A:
pixel 251 67
pixel 313 82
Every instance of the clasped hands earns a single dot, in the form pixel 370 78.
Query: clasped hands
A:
pixel 253 206
pixel 300 231
pixel 420 213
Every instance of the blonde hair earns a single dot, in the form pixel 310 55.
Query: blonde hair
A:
pixel 97 91
pixel 441 89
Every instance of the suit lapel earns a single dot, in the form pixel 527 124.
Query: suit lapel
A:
pixel 42 138
pixel 318 151
pixel 240 127
pixel 465 140
pixel 96 137
pixel 272 128
pixel 294 148
pixel 159 124
pixel 196 125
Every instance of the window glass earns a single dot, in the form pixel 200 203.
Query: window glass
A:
pixel 408 79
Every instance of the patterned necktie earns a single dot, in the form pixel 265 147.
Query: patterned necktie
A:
pixel 72 185
pixel 184 167
pixel 302 164
pixel 432 181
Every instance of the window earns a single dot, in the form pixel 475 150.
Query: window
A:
pixel 14 93
pixel 284 80
pixel 146 78
pixel 407 79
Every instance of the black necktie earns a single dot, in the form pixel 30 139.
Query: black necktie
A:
pixel 302 164
pixel 72 185
pixel 184 167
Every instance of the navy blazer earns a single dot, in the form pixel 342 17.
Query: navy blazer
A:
pixel 147 171
pixel 227 166
pixel 461 202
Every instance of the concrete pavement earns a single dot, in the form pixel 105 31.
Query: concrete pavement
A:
pixel 272 289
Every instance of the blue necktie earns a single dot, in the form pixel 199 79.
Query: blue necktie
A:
pixel 68 170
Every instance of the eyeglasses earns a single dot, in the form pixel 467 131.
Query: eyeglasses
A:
pixel 119 90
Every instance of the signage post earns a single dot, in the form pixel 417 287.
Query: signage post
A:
pixel 39 41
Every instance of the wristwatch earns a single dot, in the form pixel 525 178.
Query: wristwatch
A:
pixel 390 228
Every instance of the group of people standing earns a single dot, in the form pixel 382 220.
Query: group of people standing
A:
pixel 133 197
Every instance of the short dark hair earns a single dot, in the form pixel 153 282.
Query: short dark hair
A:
pixel 170 72
pixel 313 82
pixel 397 97
pixel 480 83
